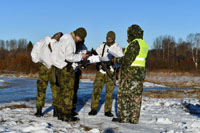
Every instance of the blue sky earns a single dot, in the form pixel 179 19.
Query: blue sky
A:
pixel 34 19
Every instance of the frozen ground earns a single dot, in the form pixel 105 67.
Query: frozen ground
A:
pixel 17 108
pixel 175 80
pixel 157 116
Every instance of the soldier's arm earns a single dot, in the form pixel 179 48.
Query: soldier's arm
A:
pixel 69 53
pixel 132 51
pixel 35 51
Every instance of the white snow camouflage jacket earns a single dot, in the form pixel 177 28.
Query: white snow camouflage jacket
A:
pixel 109 52
pixel 41 52
pixel 65 50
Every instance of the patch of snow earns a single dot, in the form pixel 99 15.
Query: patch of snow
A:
pixel 148 84
pixel 86 81
pixel 163 121
pixel 2 80
pixel 94 131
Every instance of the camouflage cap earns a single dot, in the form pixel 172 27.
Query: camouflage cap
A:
pixel 81 32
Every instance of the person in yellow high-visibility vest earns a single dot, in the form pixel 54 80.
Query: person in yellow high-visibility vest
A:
pixel 133 73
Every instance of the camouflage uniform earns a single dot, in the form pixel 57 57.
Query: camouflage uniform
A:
pixel 131 80
pixel 65 81
pixel 41 54
pixel 63 57
pixel 55 85
pixel 99 82
pixel 42 83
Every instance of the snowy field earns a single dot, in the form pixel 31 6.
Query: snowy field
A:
pixel 17 108
pixel 157 116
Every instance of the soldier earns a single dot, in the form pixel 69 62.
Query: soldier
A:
pixel 41 54
pixel 132 77
pixel 63 56
pixel 102 77
pixel 80 49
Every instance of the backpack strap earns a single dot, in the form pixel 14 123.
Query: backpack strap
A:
pixel 103 49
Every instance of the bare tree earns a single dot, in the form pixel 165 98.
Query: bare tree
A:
pixel 22 43
pixel 197 40
pixel 13 44
pixel 194 40
pixel 168 44
pixel 2 44
pixel 157 45
pixel 7 45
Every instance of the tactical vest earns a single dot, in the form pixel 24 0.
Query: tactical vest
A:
pixel 140 60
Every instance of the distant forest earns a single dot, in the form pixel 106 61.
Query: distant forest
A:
pixel 165 55
pixel 181 56
pixel 15 57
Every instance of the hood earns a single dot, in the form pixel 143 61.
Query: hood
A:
pixel 134 32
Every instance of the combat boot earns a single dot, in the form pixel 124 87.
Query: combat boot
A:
pixel 109 114
pixel 93 112
pixel 69 118
pixel 55 112
pixel 74 113
pixel 39 112
pixel 74 118
pixel 116 120
pixel 60 115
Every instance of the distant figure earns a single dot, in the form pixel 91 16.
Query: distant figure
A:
pixel 102 77
pixel 132 76
pixel 80 49
pixel 63 56
pixel 41 54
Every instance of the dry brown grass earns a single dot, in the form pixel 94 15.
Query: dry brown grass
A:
pixel 86 128
pixel 180 84
pixel 15 106
pixel 193 93
pixel 172 73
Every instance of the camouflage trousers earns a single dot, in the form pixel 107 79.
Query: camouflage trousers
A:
pixel 65 81
pixel 42 83
pixel 99 82
pixel 129 97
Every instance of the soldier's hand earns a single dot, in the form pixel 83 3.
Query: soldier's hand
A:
pixel 114 60
pixel 84 56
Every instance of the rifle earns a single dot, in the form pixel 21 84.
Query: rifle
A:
pixel 103 65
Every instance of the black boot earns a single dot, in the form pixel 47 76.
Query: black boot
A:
pixel 109 114
pixel 39 112
pixel 74 113
pixel 93 112
pixel 69 118
pixel 73 119
pixel 60 115
pixel 55 112
pixel 116 120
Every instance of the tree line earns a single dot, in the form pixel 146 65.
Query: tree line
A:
pixel 166 54
pixel 176 56
pixel 15 57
